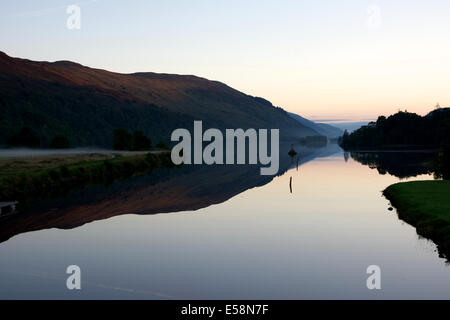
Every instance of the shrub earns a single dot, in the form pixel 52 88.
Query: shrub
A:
pixel 26 137
pixel 162 145
pixel 140 141
pixel 122 139
pixel 59 141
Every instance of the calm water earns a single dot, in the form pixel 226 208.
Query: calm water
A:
pixel 248 239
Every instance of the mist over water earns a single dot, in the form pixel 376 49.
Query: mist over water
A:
pixel 27 152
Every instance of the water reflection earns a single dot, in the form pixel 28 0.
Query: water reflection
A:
pixel 290 184
pixel 398 164
pixel 164 191
pixel 249 239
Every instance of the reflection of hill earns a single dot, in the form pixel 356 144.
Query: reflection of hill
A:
pixel 399 164
pixel 169 190
pixel 308 154
pixel 314 141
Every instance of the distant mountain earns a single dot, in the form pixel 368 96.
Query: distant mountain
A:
pixel 330 131
pixel 320 128
pixel 86 104
pixel 350 126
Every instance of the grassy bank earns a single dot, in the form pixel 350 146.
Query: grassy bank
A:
pixel 425 205
pixel 37 179
pixel 12 165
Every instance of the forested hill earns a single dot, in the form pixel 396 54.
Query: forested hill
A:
pixel 402 130
pixel 86 104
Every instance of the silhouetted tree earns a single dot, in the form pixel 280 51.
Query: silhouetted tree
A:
pixel 140 141
pixel 381 120
pixel 343 141
pixel 123 140
pixel 59 141
pixel 346 156
pixel 162 145
pixel 445 159
pixel 26 137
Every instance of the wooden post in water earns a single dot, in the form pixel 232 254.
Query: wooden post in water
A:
pixel 290 184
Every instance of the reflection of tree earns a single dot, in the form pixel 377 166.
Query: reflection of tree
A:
pixel 168 190
pixel 346 156
pixel 399 164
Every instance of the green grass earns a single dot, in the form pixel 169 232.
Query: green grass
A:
pixel 425 205
pixel 51 182
pixel 10 166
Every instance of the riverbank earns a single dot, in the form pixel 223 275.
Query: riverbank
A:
pixel 53 176
pixel 17 161
pixel 426 206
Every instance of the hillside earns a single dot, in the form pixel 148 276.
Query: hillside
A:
pixel 321 128
pixel 402 130
pixel 86 104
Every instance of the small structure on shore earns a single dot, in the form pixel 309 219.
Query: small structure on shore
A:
pixel 292 152
pixel 7 208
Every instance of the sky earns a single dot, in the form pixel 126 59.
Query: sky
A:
pixel 346 60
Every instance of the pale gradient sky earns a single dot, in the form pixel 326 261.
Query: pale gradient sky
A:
pixel 321 59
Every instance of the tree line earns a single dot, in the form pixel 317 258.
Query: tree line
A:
pixel 122 140
pixel 136 141
pixel 402 130
pixel 405 131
